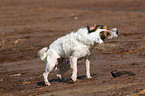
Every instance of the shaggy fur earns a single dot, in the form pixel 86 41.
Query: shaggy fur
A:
pixel 72 47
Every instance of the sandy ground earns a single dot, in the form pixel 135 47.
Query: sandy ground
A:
pixel 28 25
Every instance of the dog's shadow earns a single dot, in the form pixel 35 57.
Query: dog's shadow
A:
pixel 66 80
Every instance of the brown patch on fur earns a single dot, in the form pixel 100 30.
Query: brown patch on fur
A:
pixel 104 35
pixel 102 26
pixel 95 27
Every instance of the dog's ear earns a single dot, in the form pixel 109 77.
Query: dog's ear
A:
pixel 102 26
pixel 91 28
pixel 99 26
pixel 105 27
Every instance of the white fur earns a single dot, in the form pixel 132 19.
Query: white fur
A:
pixel 73 46
pixel 113 33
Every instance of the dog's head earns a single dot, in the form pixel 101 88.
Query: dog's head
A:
pixel 104 32
pixel 101 32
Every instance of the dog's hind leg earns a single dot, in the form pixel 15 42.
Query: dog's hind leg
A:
pixel 45 75
pixel 64 66
pixel 51 62
pixel 60 63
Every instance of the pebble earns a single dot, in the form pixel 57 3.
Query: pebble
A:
pixel 15 75
pixel 1 79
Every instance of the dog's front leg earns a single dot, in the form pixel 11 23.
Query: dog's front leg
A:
pixel 87 61
pixel 73 62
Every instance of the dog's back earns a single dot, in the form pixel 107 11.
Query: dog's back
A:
pixel 65 45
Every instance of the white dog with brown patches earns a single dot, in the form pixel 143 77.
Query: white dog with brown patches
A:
pixel 74 46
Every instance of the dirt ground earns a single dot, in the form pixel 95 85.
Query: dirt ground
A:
pixel 28 25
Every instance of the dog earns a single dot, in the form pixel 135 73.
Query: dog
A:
pixel 71 47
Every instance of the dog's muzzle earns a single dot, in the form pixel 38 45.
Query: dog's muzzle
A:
pixel 114 33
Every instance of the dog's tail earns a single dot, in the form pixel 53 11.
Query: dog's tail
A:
pixel 43 53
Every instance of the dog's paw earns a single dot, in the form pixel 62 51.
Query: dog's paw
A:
pixel 74 78
pixel 89 77
pixel 47 83
pixel 59 76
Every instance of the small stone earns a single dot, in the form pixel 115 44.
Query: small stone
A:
pixel 15 75
pixel 1 79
